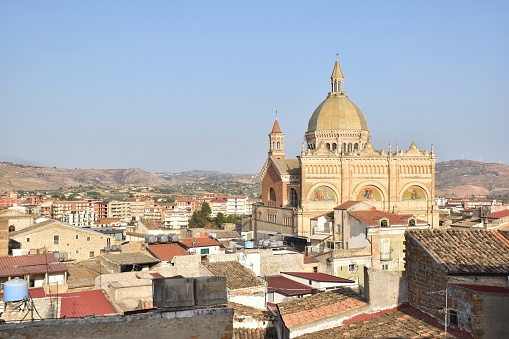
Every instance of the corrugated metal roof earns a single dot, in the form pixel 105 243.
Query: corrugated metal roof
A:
pixel 30 264
pixel 85 303
pixel 322 277
pixel 287 286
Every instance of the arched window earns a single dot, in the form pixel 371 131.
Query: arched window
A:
pixel 384 223
pixel 328 146
pixel 278 145
pixel 12 228
pixel 334 146
pixel 272 197
pixel 292 198
pixel 411 222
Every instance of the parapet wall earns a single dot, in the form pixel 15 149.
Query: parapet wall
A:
pixel 200 323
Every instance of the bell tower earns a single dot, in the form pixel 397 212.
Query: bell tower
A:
pixel 277 142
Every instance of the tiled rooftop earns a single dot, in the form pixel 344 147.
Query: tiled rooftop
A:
pixel 242 311
pixel 166 252
pixel 396 324
pixel 469 251
pixel 319 306
pixel 498 214
pixel 373 217
pixel 199 242
pixel 237 276
pixel 287 166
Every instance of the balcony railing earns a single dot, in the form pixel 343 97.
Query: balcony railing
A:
pixel 386 256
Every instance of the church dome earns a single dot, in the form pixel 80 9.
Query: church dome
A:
pixel 337 112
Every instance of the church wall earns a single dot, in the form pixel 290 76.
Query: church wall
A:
pixel 273 180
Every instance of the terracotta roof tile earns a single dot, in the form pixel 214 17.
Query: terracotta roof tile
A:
pixel 319 306
pixel 166 252
pixel 237 276
pixel 199 242
pixel 462 252
pixel 404 323
pixel 498 214
pixel 373 217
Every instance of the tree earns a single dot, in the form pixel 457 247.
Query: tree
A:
pixel 197 220
pixel 205 210
pixel 220 219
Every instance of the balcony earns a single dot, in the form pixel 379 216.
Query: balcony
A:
pixel 386 256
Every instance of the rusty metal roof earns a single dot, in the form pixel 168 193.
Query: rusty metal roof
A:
pixel 30 264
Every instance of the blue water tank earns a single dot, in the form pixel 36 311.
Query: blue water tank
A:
pixel 249 244
pixel 15 290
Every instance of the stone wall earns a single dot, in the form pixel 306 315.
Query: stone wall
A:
pixel 78 243
pixel 385 289
pixel 198 323
pixel 482 314
pixel 4 237
pixel 426 281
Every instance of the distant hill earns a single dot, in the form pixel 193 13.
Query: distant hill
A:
pixel 466 177
pixel 208 177
pixel 453 178
pixel 15 177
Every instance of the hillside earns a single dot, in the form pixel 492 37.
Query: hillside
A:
pixel 26 177
pixel 453 178
pixel 466 177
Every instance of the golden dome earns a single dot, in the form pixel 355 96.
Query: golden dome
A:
pixel 337 112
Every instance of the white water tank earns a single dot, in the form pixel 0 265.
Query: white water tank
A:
pixel 15 290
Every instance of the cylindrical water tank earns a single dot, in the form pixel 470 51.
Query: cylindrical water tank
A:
pixel 15 290
pixel 152 239
pixel 163 238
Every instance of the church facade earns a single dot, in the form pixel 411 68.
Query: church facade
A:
pixel 338 164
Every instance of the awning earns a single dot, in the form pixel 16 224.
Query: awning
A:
pixel 320 236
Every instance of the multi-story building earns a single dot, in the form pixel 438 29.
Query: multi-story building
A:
pixel 153 212
pixel 176 219
pixel 100 210
pixel 138 206
pixel 120 210
pixel 77 213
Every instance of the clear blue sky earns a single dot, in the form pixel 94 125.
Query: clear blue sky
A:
pixel 183 85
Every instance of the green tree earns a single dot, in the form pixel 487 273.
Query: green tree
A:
pixel 205 210
pixel 197 220
pixel 220 219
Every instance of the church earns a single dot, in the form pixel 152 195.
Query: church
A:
pixel 337 167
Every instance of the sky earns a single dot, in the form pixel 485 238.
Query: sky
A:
pixel 170 86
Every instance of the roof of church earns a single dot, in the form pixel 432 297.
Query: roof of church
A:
pixel 337 111
pixel 287 166
pixel 276 128
pixel 336 72
pixel 373 217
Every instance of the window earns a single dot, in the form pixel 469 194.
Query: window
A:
pixel 385 249
pixel 91 254
pixel 77 237
pixel 411 222
pixel 292 197
pixel 88 238
pixel 453 317
pixel 384 223
pixel 204 251
pixel 56 239
pixel 352 268
pixel 28 239
pixel 272 197
pixel 385 267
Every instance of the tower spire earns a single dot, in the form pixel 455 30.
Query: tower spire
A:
pixel 277 141
pixel 337 78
